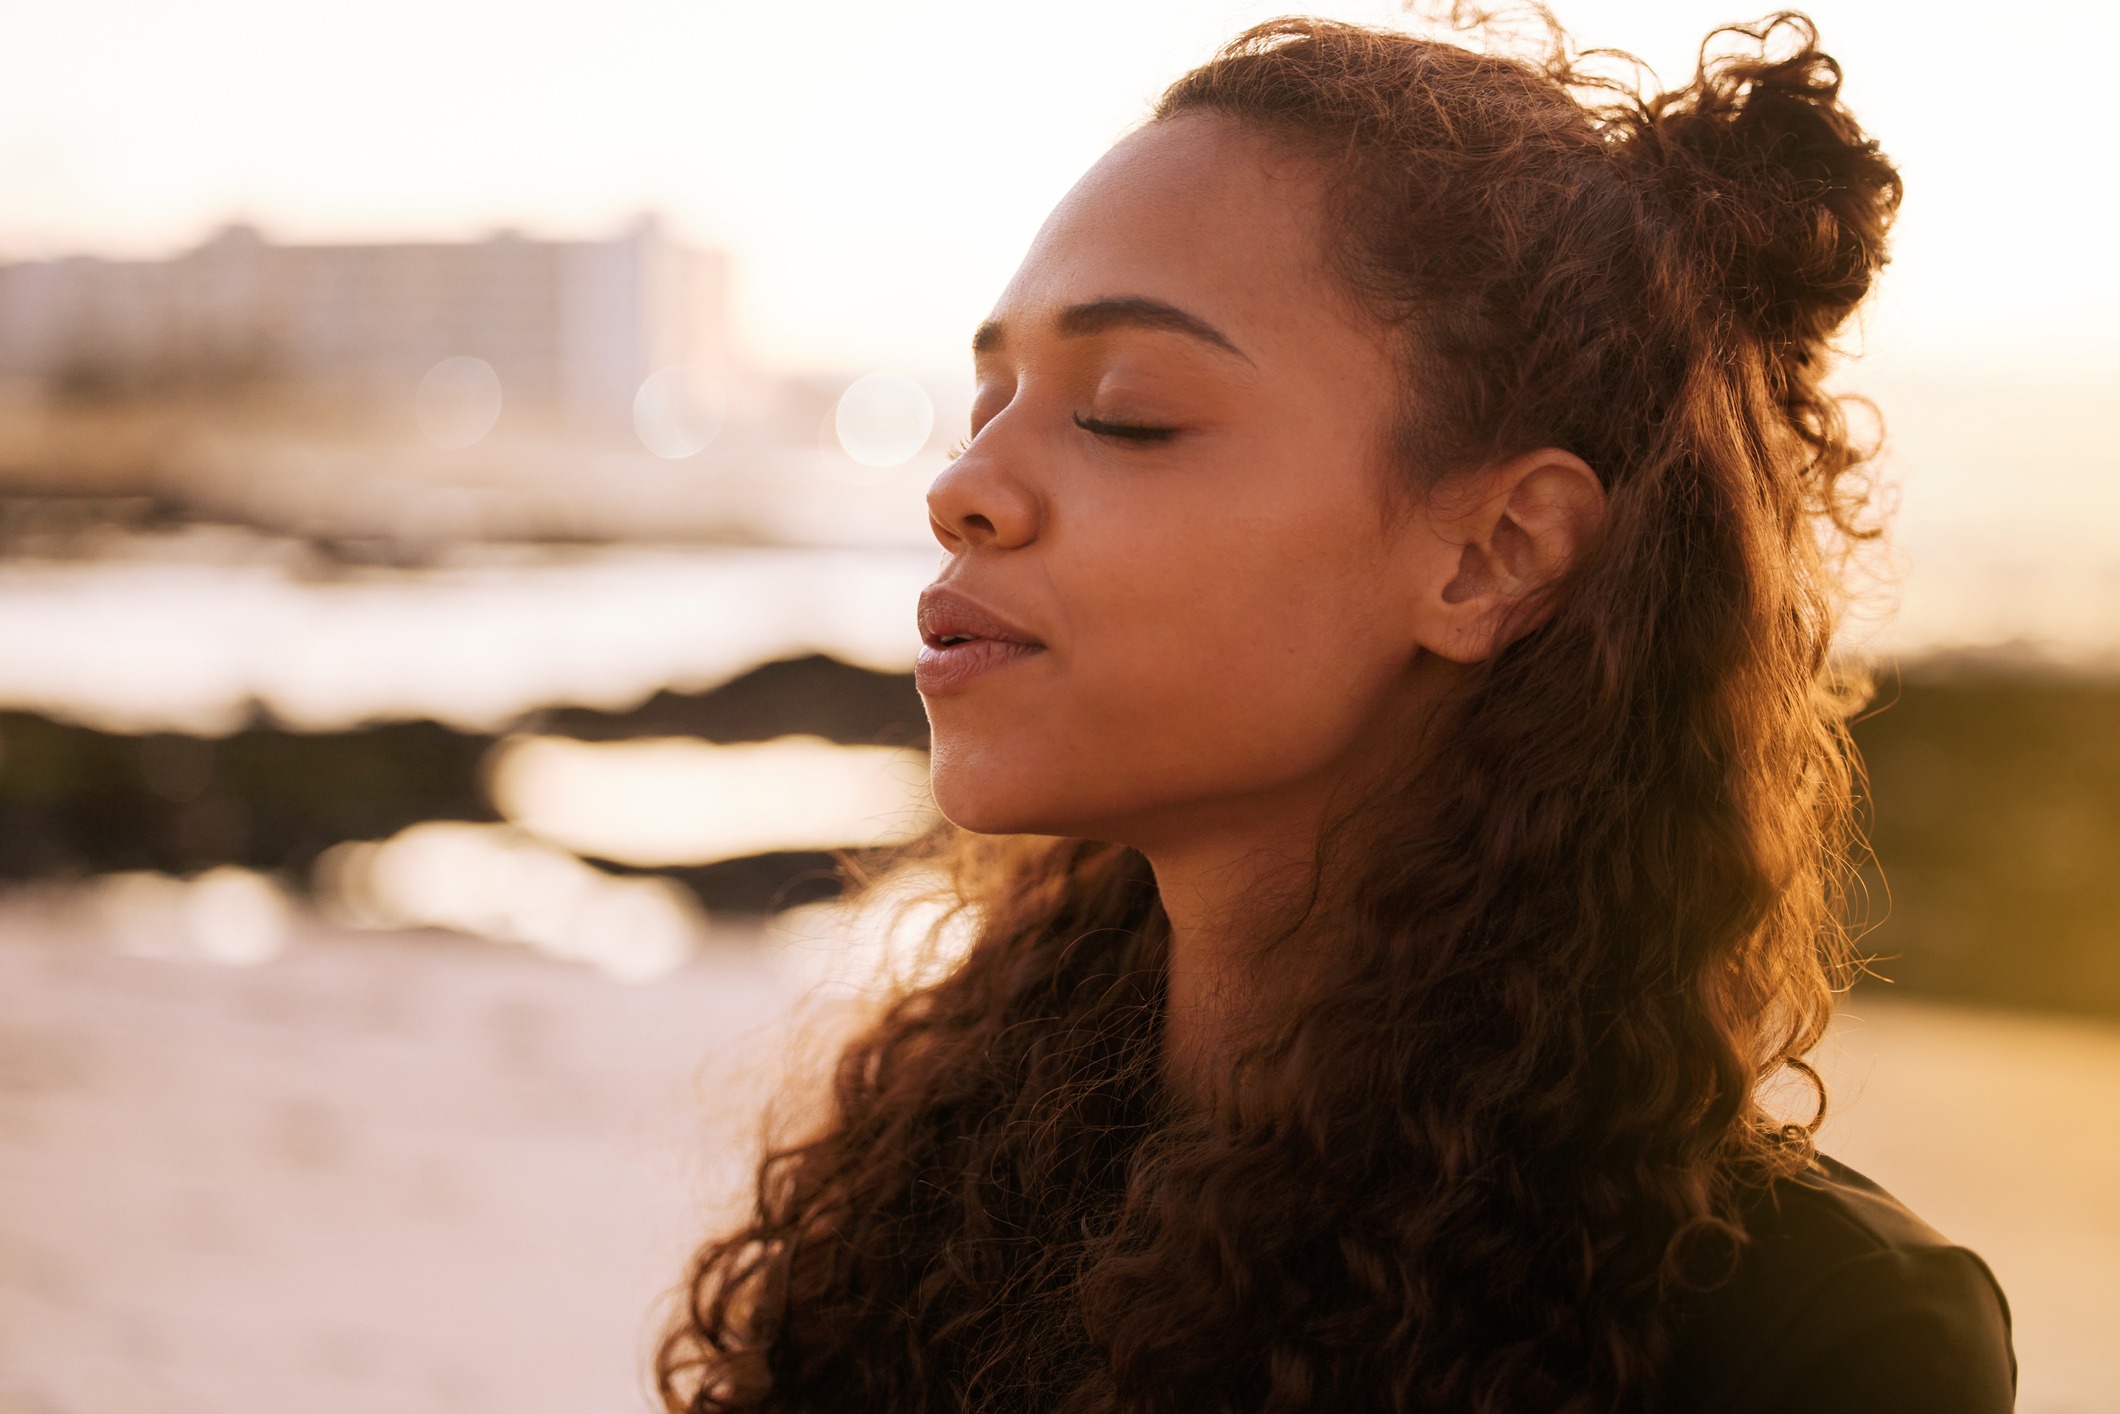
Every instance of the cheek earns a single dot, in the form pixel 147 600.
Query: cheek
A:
pixel 1210 650
pixel 1260 644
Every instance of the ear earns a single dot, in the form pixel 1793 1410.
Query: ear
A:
pixel 1508 532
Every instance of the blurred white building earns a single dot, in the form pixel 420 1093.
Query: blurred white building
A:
pixel 409 397
pixel 572 328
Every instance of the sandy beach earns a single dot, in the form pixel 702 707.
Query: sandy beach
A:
pixel 420 1173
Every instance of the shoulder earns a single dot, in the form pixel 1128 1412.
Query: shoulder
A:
pixel 1845 1300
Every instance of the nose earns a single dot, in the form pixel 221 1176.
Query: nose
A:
pixel 978 501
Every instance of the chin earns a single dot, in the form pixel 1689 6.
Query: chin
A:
pixel 974 800
pixel 994 798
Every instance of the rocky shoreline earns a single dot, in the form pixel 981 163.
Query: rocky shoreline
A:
pixel 1994 808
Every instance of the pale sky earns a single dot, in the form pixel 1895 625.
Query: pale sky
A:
pixel 877 169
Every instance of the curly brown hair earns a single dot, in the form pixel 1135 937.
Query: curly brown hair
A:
pixel 1486 1151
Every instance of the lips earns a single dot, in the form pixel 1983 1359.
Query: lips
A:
pixel 963 640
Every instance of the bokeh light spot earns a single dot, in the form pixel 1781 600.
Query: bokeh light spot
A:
pixel 458 402
pixel 492 881
pixel 884 419
pixel 679 411
pixel 675 800
pixel 229 915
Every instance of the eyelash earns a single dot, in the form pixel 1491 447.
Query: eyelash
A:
pixel 1124 431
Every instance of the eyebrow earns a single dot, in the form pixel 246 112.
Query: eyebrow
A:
pixel 1120 311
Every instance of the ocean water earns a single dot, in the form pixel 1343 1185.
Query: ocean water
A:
pixel 195 634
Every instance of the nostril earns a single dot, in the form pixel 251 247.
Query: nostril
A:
pixel 978 524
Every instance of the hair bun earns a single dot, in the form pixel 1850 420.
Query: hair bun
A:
pixel 1784 195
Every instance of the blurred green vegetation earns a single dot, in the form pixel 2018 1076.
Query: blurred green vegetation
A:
pixel 74 801
pixel 1995 820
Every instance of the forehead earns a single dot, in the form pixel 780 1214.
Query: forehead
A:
pixel 1199 212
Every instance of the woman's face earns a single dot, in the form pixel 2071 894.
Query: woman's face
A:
pixel 1175 595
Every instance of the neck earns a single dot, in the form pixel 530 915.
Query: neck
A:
pixel 1227 893
pixel 1235 877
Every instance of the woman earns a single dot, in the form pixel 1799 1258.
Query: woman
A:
pixel 1380 676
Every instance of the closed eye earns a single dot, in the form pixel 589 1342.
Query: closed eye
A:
pixel 1124 431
